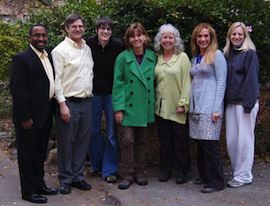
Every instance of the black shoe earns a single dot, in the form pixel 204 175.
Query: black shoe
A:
pixel 164 176
pixel 81 185
pixel 65 188
pixel 199 181
pixel 182 178
pixel 140 181
pixel 48 191
pixel 35 198
pixel 125 184
pixel 209 190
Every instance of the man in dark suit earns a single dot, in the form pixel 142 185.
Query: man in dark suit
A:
pixel 32 88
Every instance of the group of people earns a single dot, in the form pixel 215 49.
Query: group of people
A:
pixel 134 86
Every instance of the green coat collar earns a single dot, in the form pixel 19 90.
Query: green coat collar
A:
pixel 139 70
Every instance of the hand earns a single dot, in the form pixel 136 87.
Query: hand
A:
pixel 215 116
pixel 64 112
pixel 180 110
pixel 118 116
pixel 27 124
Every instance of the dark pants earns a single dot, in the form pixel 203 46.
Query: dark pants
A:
pixel 132 147
pixel 73 140
pixel 209 163
pixel 174 146
pixel 32 150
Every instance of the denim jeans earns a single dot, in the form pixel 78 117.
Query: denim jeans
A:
pixel 103 151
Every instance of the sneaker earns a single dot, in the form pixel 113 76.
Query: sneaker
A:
pixel 111 179
pixel 235 183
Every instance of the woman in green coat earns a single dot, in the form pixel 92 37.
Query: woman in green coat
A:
pixel 133 102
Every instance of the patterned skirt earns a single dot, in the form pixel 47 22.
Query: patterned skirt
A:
pixel 202 127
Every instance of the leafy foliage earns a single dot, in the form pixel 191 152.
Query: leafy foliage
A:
pixel 5 100
pixel 10 43
pixel 183 14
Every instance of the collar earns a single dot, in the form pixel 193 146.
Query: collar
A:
pixel 130 56
pixel 73 43
pixel 38 52
pixel 98 43
pixel 237 47
pixel 169 63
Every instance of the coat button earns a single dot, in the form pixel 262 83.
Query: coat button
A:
pixel 149 91
pixel 131 81
pixel 130 105
pixel 148 78
pixel 148 102
pixel 131 93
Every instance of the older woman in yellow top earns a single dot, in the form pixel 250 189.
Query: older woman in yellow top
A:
pixel 172 79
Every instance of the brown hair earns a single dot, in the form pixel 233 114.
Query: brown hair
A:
pixel 73 17
pixel 131 31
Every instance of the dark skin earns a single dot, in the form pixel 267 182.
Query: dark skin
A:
pixel 38 39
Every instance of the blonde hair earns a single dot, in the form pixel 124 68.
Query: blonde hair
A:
pixel 247 43
pixel 209 55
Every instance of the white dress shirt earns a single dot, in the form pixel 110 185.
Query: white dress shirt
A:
pixel 73 70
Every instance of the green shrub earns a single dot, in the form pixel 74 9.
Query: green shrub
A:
pixel 184 14
pixel 11 42
pixel 5 99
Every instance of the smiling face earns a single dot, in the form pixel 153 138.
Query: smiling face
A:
pixel 38 38
pixel 104 33
pixel 137 40
pixel 167 41
pixel 203 40
pixel 237 36
pixel 75 30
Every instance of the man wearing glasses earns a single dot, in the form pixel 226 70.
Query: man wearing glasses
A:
pixel 32 89
pixel 73 65
pixel 103 152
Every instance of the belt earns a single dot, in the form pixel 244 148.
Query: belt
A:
pixel 76 99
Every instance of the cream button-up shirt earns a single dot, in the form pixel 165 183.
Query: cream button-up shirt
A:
pixel 73 70
pixel 47 67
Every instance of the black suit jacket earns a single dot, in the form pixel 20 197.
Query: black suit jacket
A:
pixel 29 87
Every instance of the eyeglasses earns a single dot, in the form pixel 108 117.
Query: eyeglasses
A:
pixel 77 26
pixel 105 28
pixel 39 35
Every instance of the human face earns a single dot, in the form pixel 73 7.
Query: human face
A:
pixel 237 36
pixel 75 30
pixel 137 40
pixel 167 41
pixel 104 33
pixel 39 38
pixel 203 40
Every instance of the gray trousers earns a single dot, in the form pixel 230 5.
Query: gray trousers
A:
pixel 72 140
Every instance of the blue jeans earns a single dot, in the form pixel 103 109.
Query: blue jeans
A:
pixel 103 151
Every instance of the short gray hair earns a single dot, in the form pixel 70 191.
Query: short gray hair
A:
pixel 168 28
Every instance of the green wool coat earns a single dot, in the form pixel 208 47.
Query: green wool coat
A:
pixel 133 88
